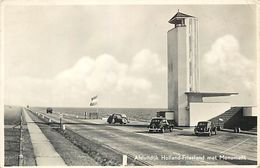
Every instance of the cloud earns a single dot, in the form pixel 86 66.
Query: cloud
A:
pixel 226 69
pixel 116 81
pixel 102 74
pixel 148 63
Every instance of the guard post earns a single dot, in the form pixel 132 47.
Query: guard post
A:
pixel 86 115
pixel 61 121
pixel 124 160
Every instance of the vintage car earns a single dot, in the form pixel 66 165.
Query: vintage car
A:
pixel 205 127
pixel 117 118
pixel 160 124
pixel 49 110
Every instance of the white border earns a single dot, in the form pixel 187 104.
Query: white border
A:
pixel 123 2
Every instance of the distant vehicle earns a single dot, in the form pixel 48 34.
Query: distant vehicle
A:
pixel 160 124
pixel 205 127
pixel 49 110
pixel 168 115
pixel 117 118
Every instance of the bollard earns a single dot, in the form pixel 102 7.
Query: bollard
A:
pixel 63 127
pixel 77 116
pixel 61 124
pixel 124 160
pixel 21 156
pixel 49 119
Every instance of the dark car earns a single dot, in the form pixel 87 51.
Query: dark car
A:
pixel 49 110
pixel 160 125
pixel 117 118
pixel 205 127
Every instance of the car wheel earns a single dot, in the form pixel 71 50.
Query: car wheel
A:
pixel 162 130
pixel 171 129
pixel 124 120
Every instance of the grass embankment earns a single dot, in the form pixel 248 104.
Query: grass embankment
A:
pixel 12 118
pixel 12 141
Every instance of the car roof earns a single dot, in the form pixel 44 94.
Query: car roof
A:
pixel 158 118
pixel 165 111
pixel 204 122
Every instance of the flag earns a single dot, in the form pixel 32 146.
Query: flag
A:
pixel 94 101
pixel 93 98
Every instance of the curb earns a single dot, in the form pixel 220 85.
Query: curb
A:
pixel 241 132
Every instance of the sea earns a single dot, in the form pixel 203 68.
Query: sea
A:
pixel 139 114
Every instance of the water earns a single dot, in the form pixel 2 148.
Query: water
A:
pixel 141 114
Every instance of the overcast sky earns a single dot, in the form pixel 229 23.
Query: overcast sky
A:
pixel 64 55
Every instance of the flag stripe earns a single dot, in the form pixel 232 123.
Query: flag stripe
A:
pixel 93 98
pixel 93 103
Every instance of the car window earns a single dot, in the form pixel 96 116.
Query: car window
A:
pixel 202 124
pixel 156 120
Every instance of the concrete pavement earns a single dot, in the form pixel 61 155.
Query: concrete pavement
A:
pixel 44 152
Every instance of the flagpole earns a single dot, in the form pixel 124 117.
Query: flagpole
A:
pixel 94 102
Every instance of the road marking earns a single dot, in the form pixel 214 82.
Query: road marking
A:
pixel 234 146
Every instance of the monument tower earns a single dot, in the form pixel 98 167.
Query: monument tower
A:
pixel 184 96
pixel 183 64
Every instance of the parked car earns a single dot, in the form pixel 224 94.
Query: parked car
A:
pixel 117 118
pixel 160 124
pixel 205 127
pixel 49 110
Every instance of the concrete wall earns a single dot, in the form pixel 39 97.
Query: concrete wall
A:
pixel 177 74
pixel 249 111
pixel 172 43
pixel 205 111
pixel 183 73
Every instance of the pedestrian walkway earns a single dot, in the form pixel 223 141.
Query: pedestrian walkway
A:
pixel 44 151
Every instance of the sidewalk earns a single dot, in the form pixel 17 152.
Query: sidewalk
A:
pixel 44 152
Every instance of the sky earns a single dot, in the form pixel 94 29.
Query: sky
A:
pixel 64 55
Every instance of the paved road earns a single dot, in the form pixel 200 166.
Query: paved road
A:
pixel 177 148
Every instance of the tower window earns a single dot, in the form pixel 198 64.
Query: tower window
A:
pixel 180 23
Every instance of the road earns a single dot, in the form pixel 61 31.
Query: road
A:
pixel 179 147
